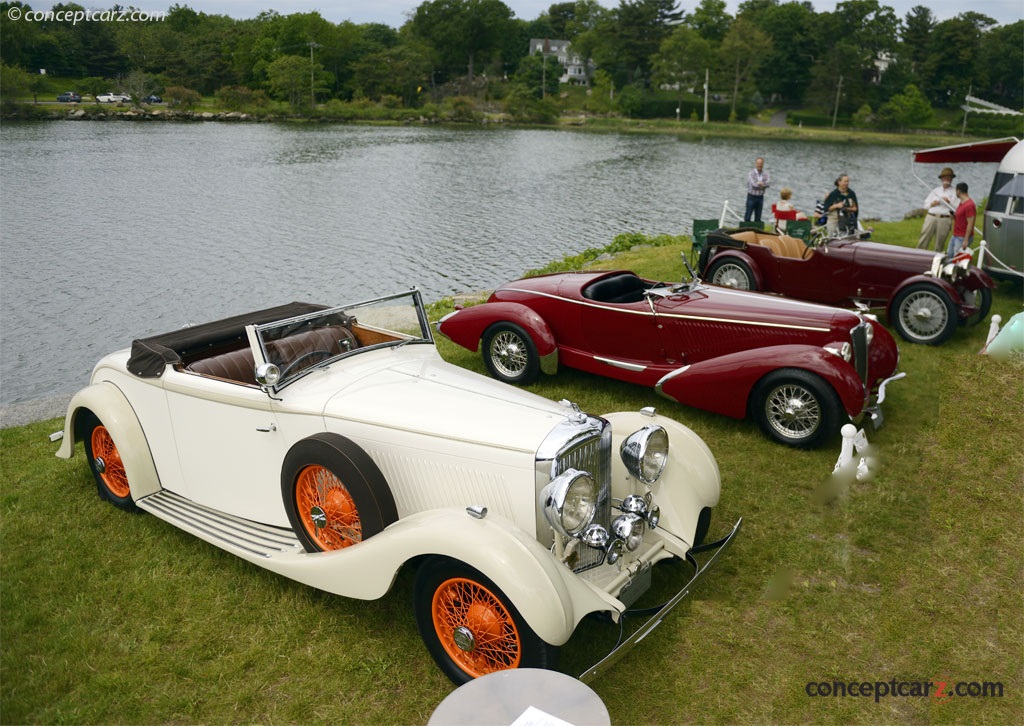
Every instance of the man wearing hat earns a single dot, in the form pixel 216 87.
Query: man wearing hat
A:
pixel 940 204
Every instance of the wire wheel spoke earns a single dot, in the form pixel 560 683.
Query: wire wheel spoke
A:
pixel 475 628
pixel 327 509
pixel 108 461
pixel 923 314
pixel 793 411
pixel 508 352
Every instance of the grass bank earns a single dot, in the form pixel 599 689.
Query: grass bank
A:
pixel 913 577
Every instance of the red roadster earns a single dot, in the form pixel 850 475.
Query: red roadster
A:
pixel 924 295
pixel 801 370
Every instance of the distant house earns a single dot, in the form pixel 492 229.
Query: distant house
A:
pixel 573 70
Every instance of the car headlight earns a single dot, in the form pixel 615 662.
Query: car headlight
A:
pixel 570 502
pixel 645 453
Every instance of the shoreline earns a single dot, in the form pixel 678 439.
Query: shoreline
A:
pixel 23 413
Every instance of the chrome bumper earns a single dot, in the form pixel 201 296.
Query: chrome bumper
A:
pixel 655 620
pixel 874 413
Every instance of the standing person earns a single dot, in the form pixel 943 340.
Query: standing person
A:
pixel 939 204
pixel 757 181
pixel 963 222
pixel 841 208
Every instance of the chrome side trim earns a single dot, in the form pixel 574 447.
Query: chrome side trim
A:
pixel 621 364
pixel 655 620
pixel 668 377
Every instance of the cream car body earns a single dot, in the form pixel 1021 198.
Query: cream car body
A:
pixel 462 461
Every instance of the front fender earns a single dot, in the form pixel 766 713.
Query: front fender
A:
pixel 691 480
pixel 111 407
pixel 550 597
pixel 939 282
pixel 723 385
pixel 466 327
pixel 976 279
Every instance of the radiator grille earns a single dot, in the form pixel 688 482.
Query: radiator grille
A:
pixel 592 455
pixel 859 338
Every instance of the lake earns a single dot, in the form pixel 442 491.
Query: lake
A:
pixel 115 230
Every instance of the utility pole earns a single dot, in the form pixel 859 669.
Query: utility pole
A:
pixel 707 82
pixel 835 112
pixel 312 95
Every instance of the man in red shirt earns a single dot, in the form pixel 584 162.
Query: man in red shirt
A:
pixel 963 222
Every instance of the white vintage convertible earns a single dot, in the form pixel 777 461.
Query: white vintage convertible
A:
pixel 334 446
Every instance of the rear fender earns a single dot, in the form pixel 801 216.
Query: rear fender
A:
pixel 111 407
pixel 466 327
pixel 550 597
pixel 724 384
pixel 742 256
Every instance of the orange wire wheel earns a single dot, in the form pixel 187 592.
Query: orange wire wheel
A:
pixel 326 509
pixel 475 628
pixel 470 627
pixel 107 464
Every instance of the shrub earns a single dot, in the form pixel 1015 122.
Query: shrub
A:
pixel 181 97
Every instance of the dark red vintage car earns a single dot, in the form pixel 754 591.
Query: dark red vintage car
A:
pixel 801 370
pixel 925 296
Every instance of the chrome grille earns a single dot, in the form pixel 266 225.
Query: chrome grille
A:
pixel 859 338
pixel 592 454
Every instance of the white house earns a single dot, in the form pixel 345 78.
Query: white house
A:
pixel 572 65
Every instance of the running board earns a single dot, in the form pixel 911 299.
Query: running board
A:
pixel 242 537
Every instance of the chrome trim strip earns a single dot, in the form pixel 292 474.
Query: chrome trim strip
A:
pixel 620 364
pixel 668 377
pixel 645 314
pixel 655 620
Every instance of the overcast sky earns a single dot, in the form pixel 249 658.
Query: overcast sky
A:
pixel 395 12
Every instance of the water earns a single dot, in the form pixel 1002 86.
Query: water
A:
pixel 117 230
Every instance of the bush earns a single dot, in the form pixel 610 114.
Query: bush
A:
pixel 460 108
pixel 181 97
pixel 235 98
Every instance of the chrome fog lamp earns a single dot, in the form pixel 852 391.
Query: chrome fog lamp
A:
pixel 634 504
pixel 615 552
pixel 654 516
pixel 595 536
pixel 645 453
pixel 630 529
pixel 267 374
pixel 570 502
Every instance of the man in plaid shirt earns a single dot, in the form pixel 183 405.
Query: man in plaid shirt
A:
pixel 757 181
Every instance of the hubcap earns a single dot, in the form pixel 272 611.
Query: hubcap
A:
pixel 319 517
pixel 101 466
pixel 463 638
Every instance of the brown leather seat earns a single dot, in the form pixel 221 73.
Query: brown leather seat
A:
pixel 239 366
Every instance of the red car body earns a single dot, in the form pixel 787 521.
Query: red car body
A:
pixel 924 296
pixel 726 351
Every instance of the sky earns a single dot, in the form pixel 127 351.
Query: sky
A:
pixel 396 12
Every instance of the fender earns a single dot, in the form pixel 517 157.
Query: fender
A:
pixel 743 257
pixel 976 279
pixel 549 595
pixel 109 405
pixel 466 327
pixel 939 282
pixel 723 384
pixel 691 480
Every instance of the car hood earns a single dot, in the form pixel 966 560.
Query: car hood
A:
pixel 719 304
pixel 874 254
pixel 422 394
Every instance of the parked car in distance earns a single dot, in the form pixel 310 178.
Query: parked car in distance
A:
pixel 924 295
pixel 800 370
pixel 113 98
pixel 69 97
pixel 334 446
pixel 153 99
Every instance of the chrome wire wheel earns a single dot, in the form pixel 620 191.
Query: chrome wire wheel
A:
pixel 509 354
pixel 793 411
pixel 731 273
pixel 923 315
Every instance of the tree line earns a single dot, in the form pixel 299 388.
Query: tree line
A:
pixel 860 58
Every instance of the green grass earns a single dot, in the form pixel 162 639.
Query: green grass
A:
pixel 914 576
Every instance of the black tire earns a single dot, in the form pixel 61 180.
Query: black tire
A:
pixel 796 408
pixel 334 494
pixel 924 313
pixel 510 355
pixel 981 299
pixel 731 272
pixel 106 465
pixel 469 626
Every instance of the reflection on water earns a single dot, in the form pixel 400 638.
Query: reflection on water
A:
pixel 111 231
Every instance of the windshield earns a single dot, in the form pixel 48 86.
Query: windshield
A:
pixel 299 344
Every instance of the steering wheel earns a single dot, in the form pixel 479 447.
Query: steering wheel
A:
pixel 288 368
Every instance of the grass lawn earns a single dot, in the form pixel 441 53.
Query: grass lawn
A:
pixel 913 577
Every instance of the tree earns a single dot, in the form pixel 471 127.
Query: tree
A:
pixel 797 43
pixel 1002 53
pixel 953 62
pixel 636 33
pixel 743 51
pixel 462 32
pixel 289 78
pixel 682 59
pixel 915 35
pixel 538 75
pixel 710 20
pixel 907 109
pixel 397 71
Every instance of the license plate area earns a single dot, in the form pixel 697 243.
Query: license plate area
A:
pixel 636 587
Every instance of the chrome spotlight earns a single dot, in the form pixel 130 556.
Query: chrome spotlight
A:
pixel 645 453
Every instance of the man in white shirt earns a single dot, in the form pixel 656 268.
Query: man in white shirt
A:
pixel 940 204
